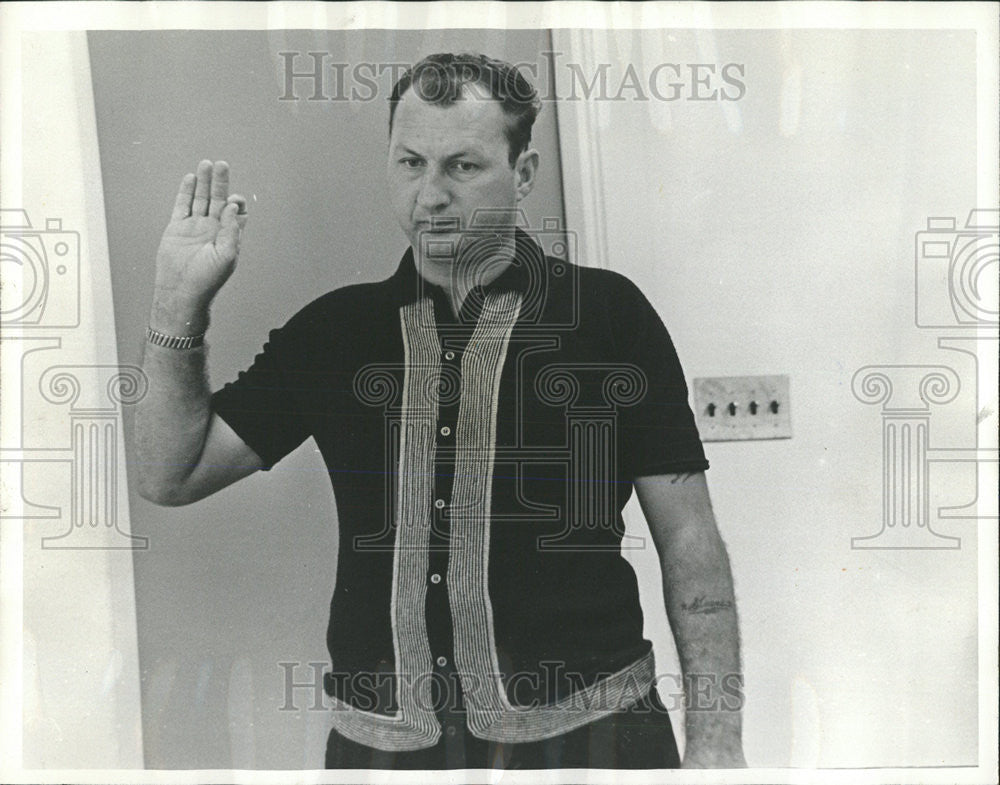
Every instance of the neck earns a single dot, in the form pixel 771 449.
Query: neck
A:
pixel 441 271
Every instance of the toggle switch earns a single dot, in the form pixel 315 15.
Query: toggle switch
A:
pixel 754 407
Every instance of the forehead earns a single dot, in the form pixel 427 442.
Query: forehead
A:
pixel 472 120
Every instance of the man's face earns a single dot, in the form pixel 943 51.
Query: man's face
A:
pixel 445 162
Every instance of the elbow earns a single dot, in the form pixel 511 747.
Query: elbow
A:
pixel 157 482
pixel 162 494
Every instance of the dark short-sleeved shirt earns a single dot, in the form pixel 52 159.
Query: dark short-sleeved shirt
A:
pixel 480 464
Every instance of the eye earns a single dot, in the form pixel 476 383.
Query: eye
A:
pixel 465 167
pixel 411 162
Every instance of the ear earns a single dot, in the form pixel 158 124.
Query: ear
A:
pixel 525 169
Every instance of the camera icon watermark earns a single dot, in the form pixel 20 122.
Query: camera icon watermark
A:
pixel 956 291
pixel 61 449
pixel 957 271
pixel 40 269
pixel 481 248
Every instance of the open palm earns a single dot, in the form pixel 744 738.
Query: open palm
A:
pixel 200 245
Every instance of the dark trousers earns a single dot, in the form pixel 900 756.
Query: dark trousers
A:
pixel 640 737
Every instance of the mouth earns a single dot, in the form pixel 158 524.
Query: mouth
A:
pixel 438 226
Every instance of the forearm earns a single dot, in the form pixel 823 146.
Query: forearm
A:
pixel 172 418
pixel 702 610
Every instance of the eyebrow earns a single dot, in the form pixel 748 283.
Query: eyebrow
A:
pixel 464 153
pixel 467 153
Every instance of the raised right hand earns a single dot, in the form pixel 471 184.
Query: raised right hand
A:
pixel 198 250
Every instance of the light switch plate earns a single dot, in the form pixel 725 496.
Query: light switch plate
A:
pixel 733 408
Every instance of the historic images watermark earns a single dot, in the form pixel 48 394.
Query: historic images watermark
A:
pixel 320 76
pixel 40 305
pixel 955 285
pixel 310 686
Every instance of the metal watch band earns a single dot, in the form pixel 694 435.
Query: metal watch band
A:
pixel 174 341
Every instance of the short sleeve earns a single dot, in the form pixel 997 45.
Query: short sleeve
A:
pixel 263 404
pixel 659 435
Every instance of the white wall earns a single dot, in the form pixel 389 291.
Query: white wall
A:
pixel 70 664
pixel 775 234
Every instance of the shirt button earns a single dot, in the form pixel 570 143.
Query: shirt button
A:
pixel 449 355
pixel 451 730
pixel 439 503
pixel 435 578
pixel 442 661
pixel 445 431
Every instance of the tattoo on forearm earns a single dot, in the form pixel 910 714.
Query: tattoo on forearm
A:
pixel 702 604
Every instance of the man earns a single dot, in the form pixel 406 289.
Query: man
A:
pixel 484 415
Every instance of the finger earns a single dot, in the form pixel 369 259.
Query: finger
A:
pixel 241 202
pixel 182 204
pixel 227 241
pixel 220 188
pixel 241 208
pixel 201 189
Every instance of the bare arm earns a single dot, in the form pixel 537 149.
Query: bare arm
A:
pixel 184 451
pixel 698 589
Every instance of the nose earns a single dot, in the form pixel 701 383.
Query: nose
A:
pixel 433 193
